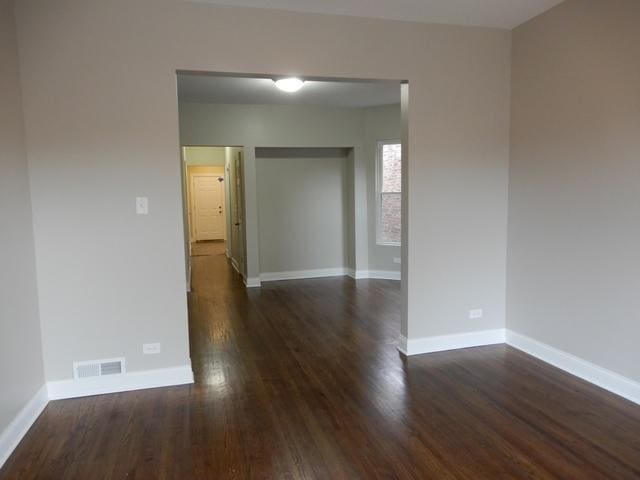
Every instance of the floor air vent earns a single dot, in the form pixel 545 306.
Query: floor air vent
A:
pixel 98 368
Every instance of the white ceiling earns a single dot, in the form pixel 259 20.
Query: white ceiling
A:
pixel 262 91
pixel 484 13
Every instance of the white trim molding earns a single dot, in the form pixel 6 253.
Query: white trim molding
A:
pixel 302 274
pixel 418 346
pixel 252 282
pixel 248 282
pixel 592 373
pixel 384 274
pixel 378 274
pixel 329 272
pixel 234 264
pixel 10 437
pixel 402 345
pixel 163 377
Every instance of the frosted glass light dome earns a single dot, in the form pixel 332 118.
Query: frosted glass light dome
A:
pixel 289 85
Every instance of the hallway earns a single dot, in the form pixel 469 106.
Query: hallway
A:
pixel 302 379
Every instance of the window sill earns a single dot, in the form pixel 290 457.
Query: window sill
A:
pixel 380 244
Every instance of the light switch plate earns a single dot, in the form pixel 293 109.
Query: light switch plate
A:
pixel 475 314
pixel 397 260
pixel 150 348
pixel 142 205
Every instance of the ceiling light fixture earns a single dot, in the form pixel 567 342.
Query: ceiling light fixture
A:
pixel 289 85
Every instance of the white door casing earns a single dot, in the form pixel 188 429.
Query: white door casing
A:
pixel 207 203
pixel 238 210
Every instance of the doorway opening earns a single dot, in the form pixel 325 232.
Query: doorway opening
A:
pixel 212 204
pixel 315 196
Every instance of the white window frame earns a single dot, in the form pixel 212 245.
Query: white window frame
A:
pixel 380 144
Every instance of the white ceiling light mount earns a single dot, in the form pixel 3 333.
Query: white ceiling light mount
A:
pixel 289 85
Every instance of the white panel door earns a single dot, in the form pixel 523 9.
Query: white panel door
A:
pixel 208 206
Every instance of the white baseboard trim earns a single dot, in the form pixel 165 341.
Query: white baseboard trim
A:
pixel 248 282
pixel 418 346
pixel 252 282
pixel 402 345
pixel 379 274
pixel 302 274
pixel 163 377
pixel 375 274
pixel 10 437
pixel 592 373
pixel 384 274
pixel 329 272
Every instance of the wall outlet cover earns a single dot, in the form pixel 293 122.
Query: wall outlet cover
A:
pixel 142 205
pixel 474 314
pixel 397 260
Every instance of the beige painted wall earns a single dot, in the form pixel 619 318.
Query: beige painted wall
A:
pixel 101 113
pixel 270 125
pixel 21 371
pixel 204 155
pixel 574 191
pixel 302 211
pixel 380 123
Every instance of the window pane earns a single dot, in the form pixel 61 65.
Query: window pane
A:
pixel 390 217
pixel 391 168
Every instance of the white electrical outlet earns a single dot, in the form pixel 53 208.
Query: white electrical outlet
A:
pixel 475 314
pixel 397 260
pixel 142 205
pixel 150 348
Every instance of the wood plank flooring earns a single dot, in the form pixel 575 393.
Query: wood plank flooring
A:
pixel 302 380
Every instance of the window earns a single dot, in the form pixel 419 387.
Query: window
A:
pixel 389 193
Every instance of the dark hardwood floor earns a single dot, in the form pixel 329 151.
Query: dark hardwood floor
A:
pixel 302 380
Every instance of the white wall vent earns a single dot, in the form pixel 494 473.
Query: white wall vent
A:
pixel 98 368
